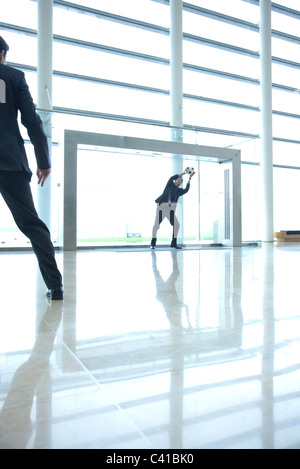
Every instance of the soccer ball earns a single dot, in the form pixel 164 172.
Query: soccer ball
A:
pixel 190 170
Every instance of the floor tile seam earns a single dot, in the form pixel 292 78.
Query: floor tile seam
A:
pixel 102 389
pixel 96 382
pixel 51 328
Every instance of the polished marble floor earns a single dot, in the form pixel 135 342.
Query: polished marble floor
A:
pixel 192 349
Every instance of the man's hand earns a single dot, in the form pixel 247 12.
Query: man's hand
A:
pixel 191 175
pixel 42 175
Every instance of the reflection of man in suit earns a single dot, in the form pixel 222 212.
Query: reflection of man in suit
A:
pixel 33 376
pixel 167 295
pixel 15 173
pixel 166 206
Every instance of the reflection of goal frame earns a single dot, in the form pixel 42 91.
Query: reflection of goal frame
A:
pixel 228 158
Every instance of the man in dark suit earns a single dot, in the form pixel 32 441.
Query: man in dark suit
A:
pixel 15 174
pixel 166 206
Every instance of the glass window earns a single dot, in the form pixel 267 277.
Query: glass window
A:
pixel 217 87
pixel 285 75
pixel 77 60
pixel 286 101
pixel 235 8
pixel 215 139
pixel 116 214
pixel 20 12
pixel 285 153
pixel 286 192
pixel 99 31
pixel 286 127
pixel 285 49
pixel 250 150
pixel 18 43
pixel 141 10
pixel 215 30
pixel 84 95
pixel 286 24
pixel 222 60
pixel 10 235
pixel 210 198
pixel 293 4
pixel 221 117
pixel 251 203
pixel 76 94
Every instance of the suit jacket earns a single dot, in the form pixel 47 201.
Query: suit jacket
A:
pixel 18 98
pixel 167 193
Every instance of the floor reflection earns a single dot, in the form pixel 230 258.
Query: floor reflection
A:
pixel 167 295
pixel 32 378
pixel 171 350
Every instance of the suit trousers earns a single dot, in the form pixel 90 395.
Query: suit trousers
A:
pixel 16 191
pixel 163 211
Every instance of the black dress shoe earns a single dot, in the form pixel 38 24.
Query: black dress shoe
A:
pixel 56 293
pixel 174 244
pixel 153 243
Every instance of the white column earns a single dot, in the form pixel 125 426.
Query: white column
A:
pixel 266 119
pixel 44 96
pixel 176 96
pixel 176 92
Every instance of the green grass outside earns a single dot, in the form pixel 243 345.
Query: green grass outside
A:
pixel 133 240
